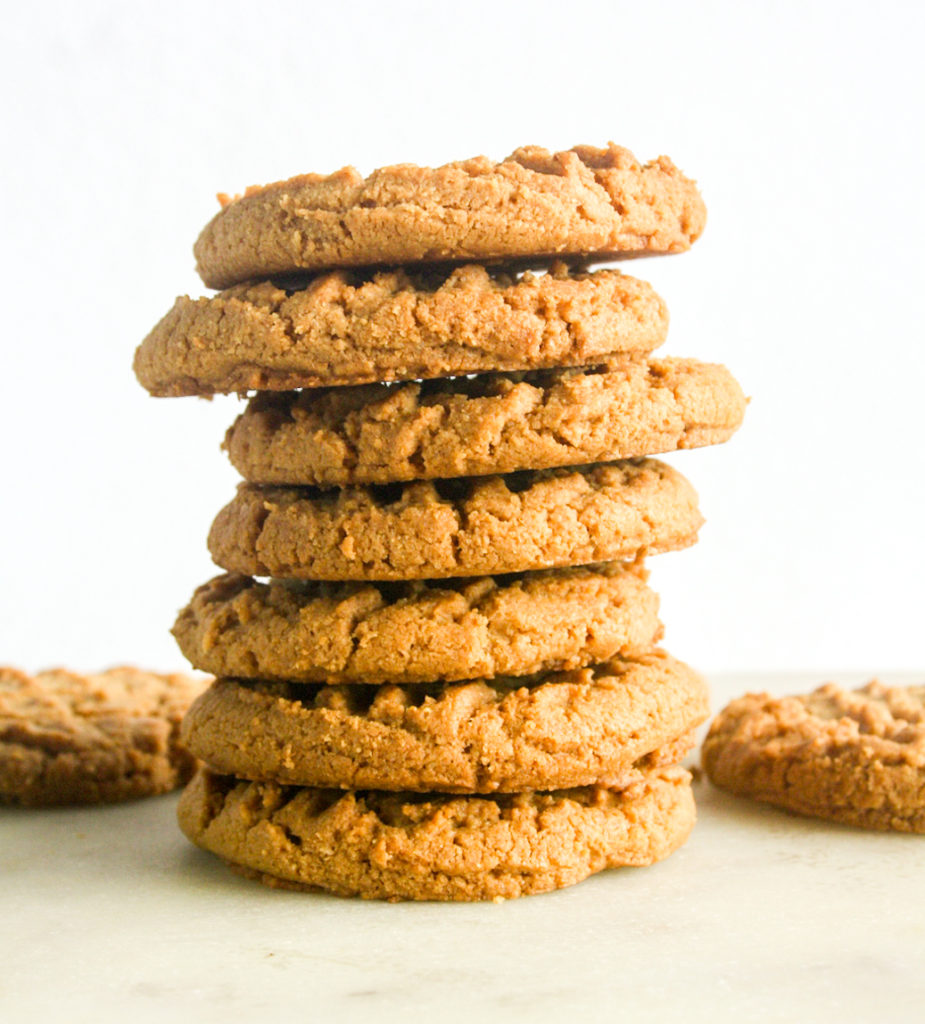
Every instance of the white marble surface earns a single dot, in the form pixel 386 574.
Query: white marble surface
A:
pixel 108 914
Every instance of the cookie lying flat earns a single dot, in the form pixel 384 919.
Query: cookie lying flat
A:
pixel 431 847
pixel 496 423
pixel 79 739
pixel 533 204
pixel 351 328
pixel 417 632
pixel 468 527
pixel 585 727
pixel 853 756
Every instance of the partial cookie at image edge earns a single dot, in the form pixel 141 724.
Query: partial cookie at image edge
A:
pixel 67 738
pixel 852 756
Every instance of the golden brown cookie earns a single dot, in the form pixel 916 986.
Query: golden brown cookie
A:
pixel 533 204
pixel 478 526
pixel 83 739
pixel 586 727
pixel 404 846
pixel 495 423
pixel 416 632
pixel 354 328
pixel 855 756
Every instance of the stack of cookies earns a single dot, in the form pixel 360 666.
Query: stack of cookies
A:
pixel 435 646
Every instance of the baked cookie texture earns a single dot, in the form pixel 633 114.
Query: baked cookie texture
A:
pixel 533 205
pixel 854 756
pixel 445 684
pixel 402 846
pixel 467 527
pixel 489 424
pixel 554 731
pixel 67 738
pixel 418 631
pixel 346 328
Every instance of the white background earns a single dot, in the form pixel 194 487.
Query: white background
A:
pixel 801 121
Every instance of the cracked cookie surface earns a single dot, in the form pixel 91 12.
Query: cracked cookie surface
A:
pixel 533 204
pixel 67 738
pixel 346 328
pixel 496 423
pixel 404 846
pixel 477 526
pixel 553 731
pixel 855 756
pixel 417 631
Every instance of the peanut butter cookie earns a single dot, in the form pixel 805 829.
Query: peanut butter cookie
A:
pixel 855 756
pixel 416 632
pixel 496 423
pixel 355 328
pixel 82 739
pixel 581 728
pixel 404 846
pixel 533 204
pixel 478 526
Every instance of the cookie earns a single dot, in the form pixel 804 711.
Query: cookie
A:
pixel 82 739
pixel 478 526
pixel 495 423
pixel 418 632
pixel 533 204
pixel 558 730
pixel 403 846
pixel 855 756
pixel 355 328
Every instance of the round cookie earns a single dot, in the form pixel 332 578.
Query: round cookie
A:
pixel 586 727
pixel 418 632
pixel 354 328
pixel 495 423
pixel 401 846
pixel 478 526
pixel 81 739
pixel 855 756
pixel 533 204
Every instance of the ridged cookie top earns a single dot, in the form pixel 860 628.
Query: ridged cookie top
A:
pixel 534 204
pixel 354 328
pixel 416 631
pixel 432 846
pixel 466 527
pixel 494 423
pixel 584 727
